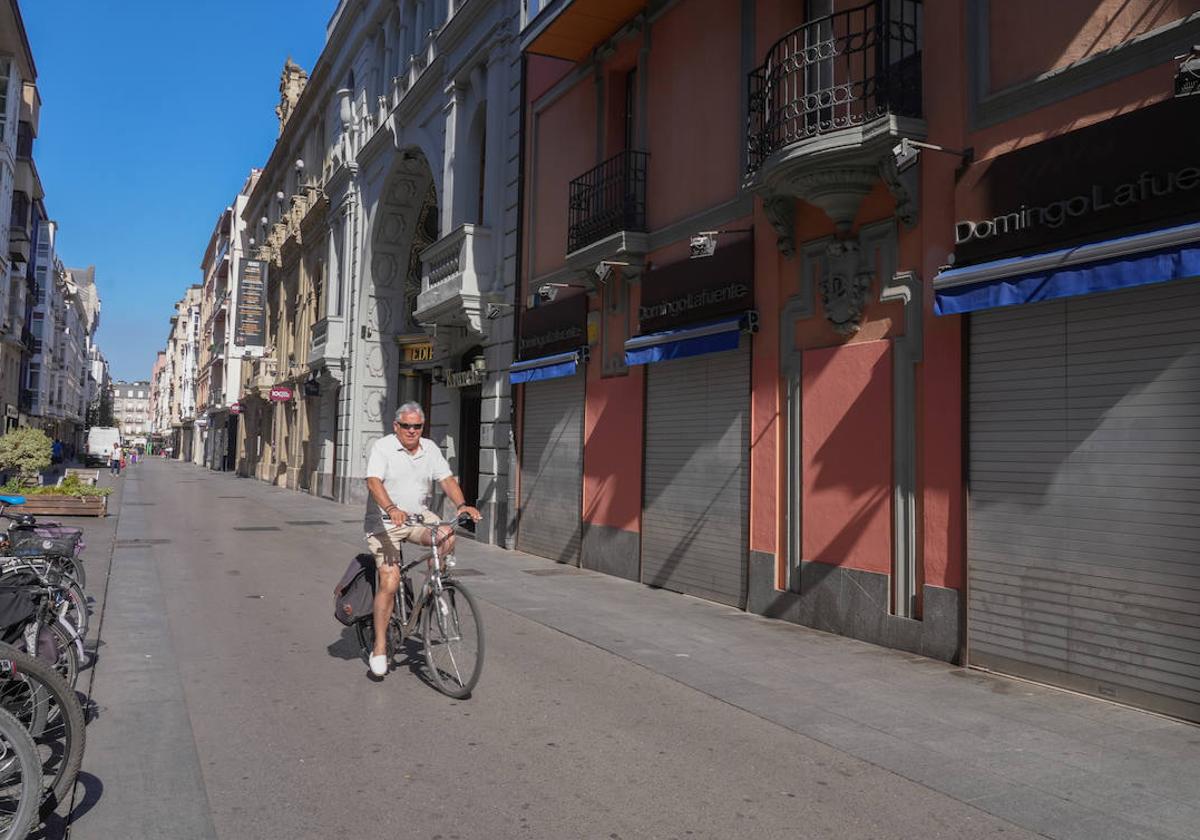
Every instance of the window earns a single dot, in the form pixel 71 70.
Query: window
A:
pixel 5 74
pixel 141 395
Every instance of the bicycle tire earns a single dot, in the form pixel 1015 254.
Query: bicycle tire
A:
pixel 450 622
pixel 20 777
pixel 37 695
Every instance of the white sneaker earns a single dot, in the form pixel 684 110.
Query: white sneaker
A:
pixel 378 665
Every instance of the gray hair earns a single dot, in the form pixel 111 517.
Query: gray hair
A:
pixel 410 408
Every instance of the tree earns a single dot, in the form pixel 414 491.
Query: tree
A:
pixel 100 413
pixel 26 450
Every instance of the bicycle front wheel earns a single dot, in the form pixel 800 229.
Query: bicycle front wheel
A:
pixel 20 779
pixel 453 635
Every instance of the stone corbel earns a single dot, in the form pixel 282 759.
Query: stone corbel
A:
pixel 903 186
pixel 781 213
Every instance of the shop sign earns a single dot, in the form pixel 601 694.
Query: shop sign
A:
pixel 693 291
pixel 235 408
pixel 281 394
pixel 1129 174
pixel 465 378
pixel 421 351
pixel 557 327
pixel 250 314
pixel 312 388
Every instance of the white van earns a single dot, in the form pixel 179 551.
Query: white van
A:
pixel 101 440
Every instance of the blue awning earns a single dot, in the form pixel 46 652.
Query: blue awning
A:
pixel 689 341
pixel 1138 260
pixel 547 367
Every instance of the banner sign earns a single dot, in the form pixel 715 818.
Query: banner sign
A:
pixel 250 316
pixel 556 327
pixel 465 378
pixel 694 291
pixel 1131 173
pixel 281 393
pixel 235 408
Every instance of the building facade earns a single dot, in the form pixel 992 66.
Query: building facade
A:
pixel 131 411
pixel 386 217
pixel 20 190
pixel 183 346
pixel 219 381
pixel 800 333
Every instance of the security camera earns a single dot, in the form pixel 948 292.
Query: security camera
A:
pixel 547 292
pixel 906 154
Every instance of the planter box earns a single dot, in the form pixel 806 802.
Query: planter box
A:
pixel 50 505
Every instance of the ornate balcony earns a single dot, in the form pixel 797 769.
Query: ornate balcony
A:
pixel 830 101
pixel 609 199
pixel 455 272
pixel 325 343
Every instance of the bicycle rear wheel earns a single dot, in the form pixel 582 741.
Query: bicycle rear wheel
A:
pixel 20 778
pixel 453 636
pixel 36 694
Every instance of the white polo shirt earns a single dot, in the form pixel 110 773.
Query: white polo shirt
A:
pixel 407 477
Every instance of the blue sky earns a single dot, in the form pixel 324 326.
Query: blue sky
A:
pixel 153 113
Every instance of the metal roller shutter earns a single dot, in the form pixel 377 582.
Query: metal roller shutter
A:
pixel 694 524
pixel 552 469
pixel 1084 528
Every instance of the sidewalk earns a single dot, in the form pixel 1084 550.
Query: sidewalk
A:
pixel 1055 763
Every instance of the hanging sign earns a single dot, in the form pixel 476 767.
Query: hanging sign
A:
pixel 465 378
pixel 281 393
pixel 235 408
pixel 250 317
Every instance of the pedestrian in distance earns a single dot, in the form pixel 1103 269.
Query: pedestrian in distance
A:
pixel 115 459
pixel 401 468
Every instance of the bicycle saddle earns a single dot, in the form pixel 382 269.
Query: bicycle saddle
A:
pixel 12 500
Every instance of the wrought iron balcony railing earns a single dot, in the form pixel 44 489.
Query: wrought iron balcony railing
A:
pixel 607 199
pixel 836 72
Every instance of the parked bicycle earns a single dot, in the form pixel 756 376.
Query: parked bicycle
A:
pixel 445 612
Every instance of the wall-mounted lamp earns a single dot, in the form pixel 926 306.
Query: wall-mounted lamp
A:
pixel 1187 79
pixel 264 221
pixel 704 243
pixel 908 152
pixel 439 376
pixel 279 196
pixel 299 165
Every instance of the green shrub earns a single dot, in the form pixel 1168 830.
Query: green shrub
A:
pixel 28 452
pixel 71 486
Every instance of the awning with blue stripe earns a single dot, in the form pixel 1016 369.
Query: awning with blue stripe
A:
pixel 547 367
pixel 689 341
pixel 1138 260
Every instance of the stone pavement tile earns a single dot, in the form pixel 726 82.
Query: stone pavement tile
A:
pixel 1062 819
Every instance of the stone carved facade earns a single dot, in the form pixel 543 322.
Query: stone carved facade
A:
pixel 291 84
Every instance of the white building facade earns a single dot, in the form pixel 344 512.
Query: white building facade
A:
pixel 408 130
pixel 20 194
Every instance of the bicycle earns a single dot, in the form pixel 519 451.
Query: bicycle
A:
pixel 450 629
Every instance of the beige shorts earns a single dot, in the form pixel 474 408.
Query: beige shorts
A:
pixel 385 544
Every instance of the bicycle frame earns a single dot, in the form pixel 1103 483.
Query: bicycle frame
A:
pixel 434 583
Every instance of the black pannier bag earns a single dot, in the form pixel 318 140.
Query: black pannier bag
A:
pixel 354 597
pixel 30 544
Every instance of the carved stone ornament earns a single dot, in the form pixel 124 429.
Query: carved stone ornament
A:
pixel 844 286
pixel 781 213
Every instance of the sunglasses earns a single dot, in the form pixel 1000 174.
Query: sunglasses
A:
pixel 409 426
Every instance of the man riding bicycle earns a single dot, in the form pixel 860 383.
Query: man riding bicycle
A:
pixel 400 470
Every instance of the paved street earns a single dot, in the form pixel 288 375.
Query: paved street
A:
pixel 230 704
